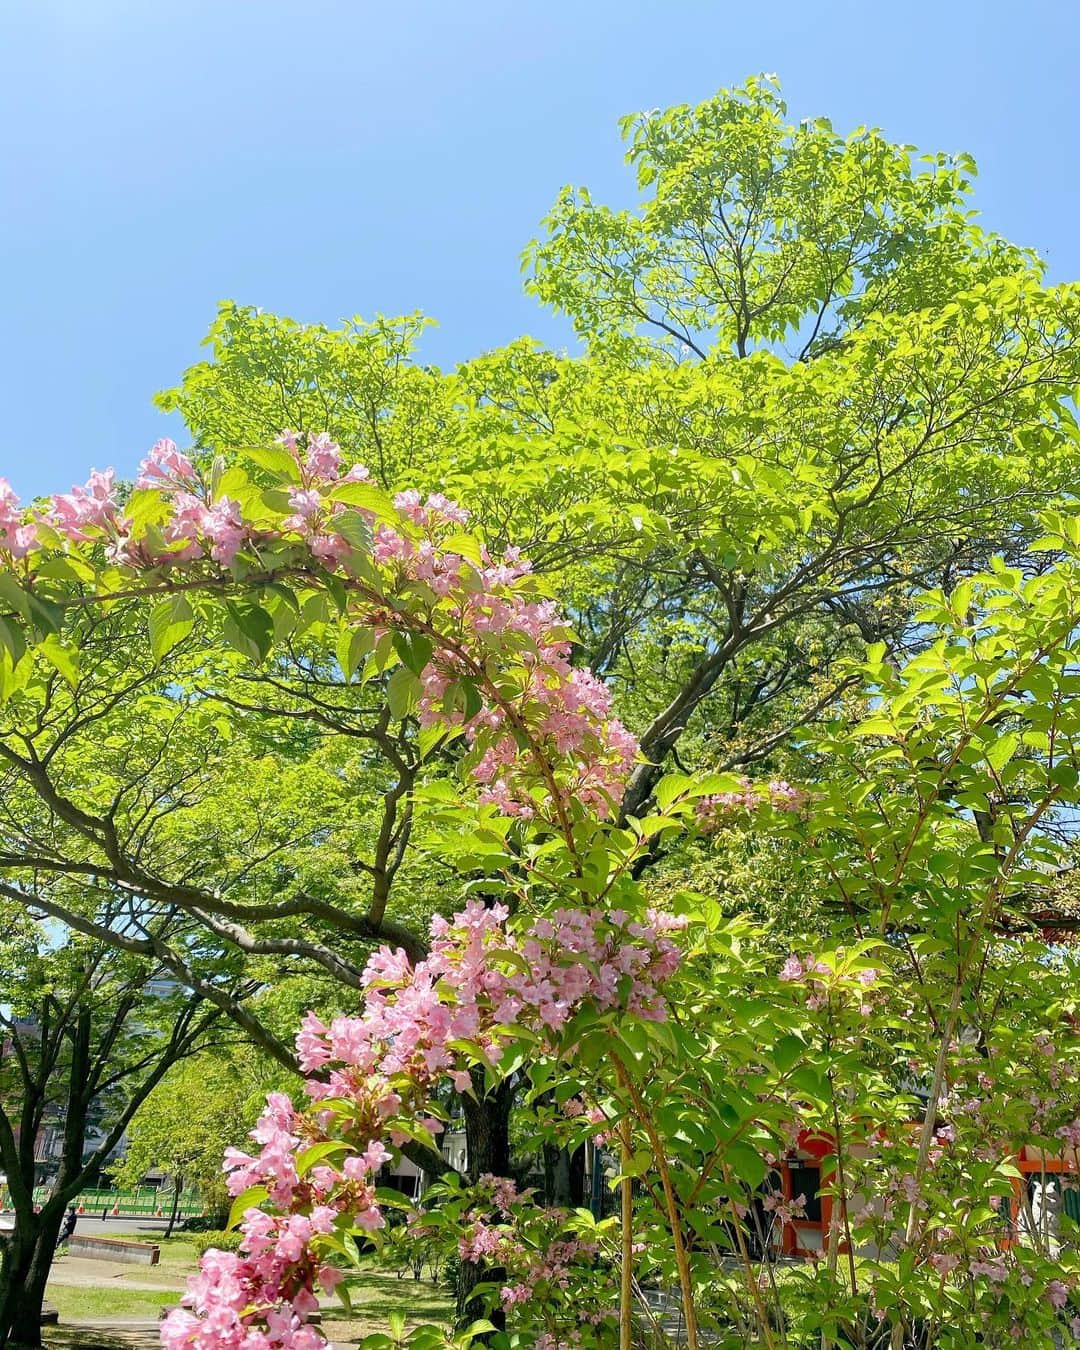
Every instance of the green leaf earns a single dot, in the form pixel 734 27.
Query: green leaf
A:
pixel 473 700
pixel 251 1198
pixel 387 1196
pixel 145 506
pixel 63 659
pixel 402 692
pixel 14 595
pixel 353 645
pixel 254 626
pixel 367 497
pixel 672 785
pixel 44 615
pixel 274 458
pixel 466 546
pixel 787 1051
pixel 481 1327
pixel 1002 750
pixel 311 1157
pixel 414 649
pixel 353 528
pixel 747 1164
pixel 171 620
pixel 13 639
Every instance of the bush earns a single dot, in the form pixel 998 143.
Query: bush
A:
pixel 204 1223
pixel 221 1239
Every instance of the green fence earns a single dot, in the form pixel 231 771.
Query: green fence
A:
pixel 137 1204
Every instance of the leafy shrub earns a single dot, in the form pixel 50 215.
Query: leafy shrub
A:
pixel 204 1223
pixel 223 1240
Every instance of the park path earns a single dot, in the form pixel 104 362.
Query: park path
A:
pixel 85 1272
pixel 103 1336
pixel 118 1336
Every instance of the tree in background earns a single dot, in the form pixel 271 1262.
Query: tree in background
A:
pixel 812 387
pixel 86 1041
pixel 200 1108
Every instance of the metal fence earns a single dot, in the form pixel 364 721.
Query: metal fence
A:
pixel 144 1203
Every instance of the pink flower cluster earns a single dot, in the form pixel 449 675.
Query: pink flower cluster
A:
pixel 721 807
pixel 16 538
pixel 470 988
pixel 91 507
pixel 821 980
pixel 786 1211
pixel 534 1248
pixel 545 737
pixel 479 983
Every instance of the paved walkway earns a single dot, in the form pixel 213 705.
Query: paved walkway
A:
pixel 84 1271
pixel 106 1336
pixel 118 1336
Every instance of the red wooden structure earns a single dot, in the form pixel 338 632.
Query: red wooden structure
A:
pixel 806 1169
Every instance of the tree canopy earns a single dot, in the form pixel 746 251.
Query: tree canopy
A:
pixel 392 644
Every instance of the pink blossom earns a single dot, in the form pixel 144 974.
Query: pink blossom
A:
pixel 164 464
pixel 90 507
pixel 323 457
pixel 784 797
pixel 224 527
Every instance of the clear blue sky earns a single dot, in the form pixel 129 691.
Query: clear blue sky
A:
pixel 324 158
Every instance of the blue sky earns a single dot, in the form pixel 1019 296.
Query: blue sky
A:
pixel 324 158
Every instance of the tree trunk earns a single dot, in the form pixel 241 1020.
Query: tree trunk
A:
pixel 487 1132
pixel 28 1259
pixel 14 1272
pixel 26 1328
pixel 564 1177
pixel 178 1182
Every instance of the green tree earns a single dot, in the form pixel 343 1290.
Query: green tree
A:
pixel 84 1042
pixel 727 525
pixel 183 1128
pixel 873 398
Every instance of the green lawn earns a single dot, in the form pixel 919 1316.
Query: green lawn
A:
pixel 378 1292
pixel 76 1303
pixel 375 1293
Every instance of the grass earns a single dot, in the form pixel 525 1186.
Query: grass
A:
pixel 379 1292
pixel 375 1292
pixel 81 1303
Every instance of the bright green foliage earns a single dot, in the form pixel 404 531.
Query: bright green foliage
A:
pixel 881 403
pixel 200 1108
pixel 358 381
pixel 933 1036
pixel 752 231
pixel 813 391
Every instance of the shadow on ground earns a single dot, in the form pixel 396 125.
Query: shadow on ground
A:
pixel 139 1336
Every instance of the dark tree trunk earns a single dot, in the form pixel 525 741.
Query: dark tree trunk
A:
pixel 28 1258
pixel 14 1273
pixel 26 1324
pixel 487 1131
pixel 178 1183
pixel 564 1177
